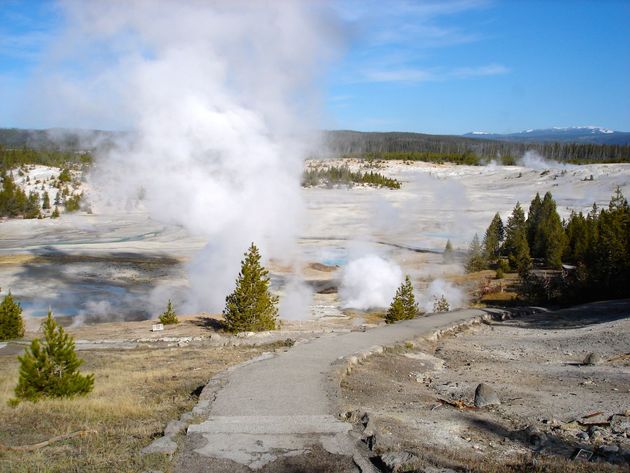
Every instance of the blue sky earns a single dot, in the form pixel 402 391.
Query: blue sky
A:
pixel 436 67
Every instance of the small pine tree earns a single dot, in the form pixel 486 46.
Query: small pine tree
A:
pixel 251 307
pixel 448 255
pixel 515 246
pixel 50 368
pixel 476 260
pixel 55 213
pixel 169 317
pixel 493 238
pixel 11 321
pixel 441 305
pixel 46 201
pixel 403 305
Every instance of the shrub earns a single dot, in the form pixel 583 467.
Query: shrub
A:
pixel 50 368
pixel 73 203
pixel 403 305
pixel 169 317
pixel 11 321
pixel 251 307
pixel 65 176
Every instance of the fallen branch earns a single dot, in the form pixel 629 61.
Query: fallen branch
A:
pixel 458 404
pixel 58 438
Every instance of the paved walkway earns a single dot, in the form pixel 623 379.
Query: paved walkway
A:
pixel 284 405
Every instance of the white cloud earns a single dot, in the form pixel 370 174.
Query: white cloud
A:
pixel 414 75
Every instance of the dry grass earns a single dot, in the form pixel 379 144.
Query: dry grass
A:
pixel 136 393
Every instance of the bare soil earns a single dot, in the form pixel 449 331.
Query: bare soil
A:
pixel 552 404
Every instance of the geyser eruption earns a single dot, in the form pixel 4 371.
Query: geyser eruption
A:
pixel 221 97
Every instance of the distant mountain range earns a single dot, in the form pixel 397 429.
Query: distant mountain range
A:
pixel 572 134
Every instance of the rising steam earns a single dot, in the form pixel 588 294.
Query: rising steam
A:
pixel 369 282
pixel 221 99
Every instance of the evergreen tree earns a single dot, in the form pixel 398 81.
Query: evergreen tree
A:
pixel 476 260
pixel 50 368
pixel 441 305
pixel 403 305
pixel 46 201
pixel 550 238
pixel 447 255
pixel 515 246
pixel 55 213
pixel 169 316
pixel 578 238
pixel 533 223
pixel 608 262
pixel 251 307
pixel 11 321
pixel 493 238
pixel 32 206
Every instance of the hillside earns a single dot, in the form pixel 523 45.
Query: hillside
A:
pixel 382 145
pixel 419 146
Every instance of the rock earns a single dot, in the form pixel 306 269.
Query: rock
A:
pixel 174 427
pixel 535 437
pixel 162 445
pixel 485 395
pixel 593 359
pixel 608 449
pixel 582 435
pixel 620 424
pixel 398 462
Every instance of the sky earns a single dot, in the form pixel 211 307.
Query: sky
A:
pixel 444 67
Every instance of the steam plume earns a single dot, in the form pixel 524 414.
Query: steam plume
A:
pixel 221 99
pixel 369 282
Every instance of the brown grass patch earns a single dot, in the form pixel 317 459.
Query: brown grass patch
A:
pixel 136 393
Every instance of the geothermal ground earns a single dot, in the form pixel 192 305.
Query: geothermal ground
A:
pixel 122 265
pixel 112 267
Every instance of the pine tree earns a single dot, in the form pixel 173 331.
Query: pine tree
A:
pixel 493 238
pixel 50 368
pixel 515 246
pixel 55 213
pixel 476 260
pixel 447 255
pixel 550 237
pixel 403 305
pixel 11 321
pixel 533 222
pixel 46 201
pixel 578 238
pixel 441 305
pixel 169 316
pixel 251 307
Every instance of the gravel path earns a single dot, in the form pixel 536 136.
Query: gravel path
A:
pixel 285 405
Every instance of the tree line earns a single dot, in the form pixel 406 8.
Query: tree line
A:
pixel 595 250
pixel 462 150
pixel 336 175
pixel 11 158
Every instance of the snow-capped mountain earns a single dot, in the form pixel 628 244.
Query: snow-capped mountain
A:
pixel 571 134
